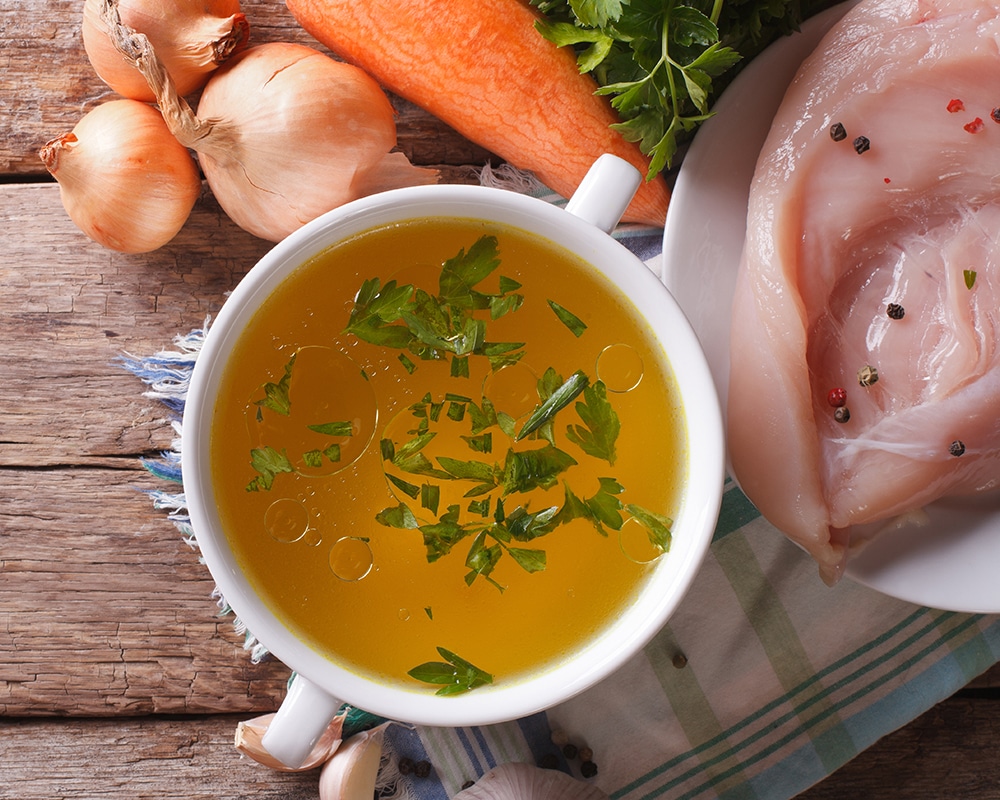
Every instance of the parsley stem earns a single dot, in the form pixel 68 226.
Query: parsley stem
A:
pixel 666 61
pixel 716 11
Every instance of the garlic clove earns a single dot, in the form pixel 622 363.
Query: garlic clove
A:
pixel 514 781
pixel 352 772
pixel 250 733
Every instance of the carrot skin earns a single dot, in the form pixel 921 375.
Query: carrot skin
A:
pixel 481 67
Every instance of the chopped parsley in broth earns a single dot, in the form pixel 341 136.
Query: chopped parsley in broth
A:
pixel 447 439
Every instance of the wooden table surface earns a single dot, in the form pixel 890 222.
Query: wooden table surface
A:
pixel 117 678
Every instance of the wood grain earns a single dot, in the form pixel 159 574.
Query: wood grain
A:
pixel 155 758
pixel 47 84
pixel 117 677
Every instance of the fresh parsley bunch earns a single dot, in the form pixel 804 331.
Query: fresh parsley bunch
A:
pixel 659 60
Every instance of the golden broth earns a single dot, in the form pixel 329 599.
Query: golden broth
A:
pixel 364 593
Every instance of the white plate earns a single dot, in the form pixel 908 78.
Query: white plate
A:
pixel 951 561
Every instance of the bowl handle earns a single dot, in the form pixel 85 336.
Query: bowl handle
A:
pixel 304 714
pixel 605 192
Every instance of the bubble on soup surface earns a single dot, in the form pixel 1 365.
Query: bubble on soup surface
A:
pixel 313 537
pixel 620 367
pixel 321 410
pixel 512 389
pixel 351 558
pixel 633 538
pixel 286 520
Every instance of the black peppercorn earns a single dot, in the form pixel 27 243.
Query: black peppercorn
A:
pixel 588 769
pixel 861 144
pixel 422 769
pixel 895 311
pixel 957 447
pixel 842 414
pixel 837 132
pixel 570 751
pixel 995 114
pixel 406 765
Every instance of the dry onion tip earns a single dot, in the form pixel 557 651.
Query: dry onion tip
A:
pixel 192 38
pixel 123 179
pixel 283 133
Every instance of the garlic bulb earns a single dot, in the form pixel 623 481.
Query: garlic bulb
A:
pixel 515 781
pixel 250 733
pixel 192 38
pixel 352 772
pixel 123 179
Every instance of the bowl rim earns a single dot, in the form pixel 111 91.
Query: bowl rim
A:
pixel 696 517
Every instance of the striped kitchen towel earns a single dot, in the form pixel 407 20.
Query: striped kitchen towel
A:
pixel 764 682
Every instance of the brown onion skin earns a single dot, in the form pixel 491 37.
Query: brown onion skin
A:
pixel 124 180
pixel 294 134
pixel 191 37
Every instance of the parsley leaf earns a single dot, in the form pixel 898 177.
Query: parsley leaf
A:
pixel 568 318
pixel 657 525
pixel 663 63
pixel 276 395
pixel 555 402
pixel 268 463
pixel 345 428
pixel 599 432
pixel 461 273
pixel 531 469
pixel 454 675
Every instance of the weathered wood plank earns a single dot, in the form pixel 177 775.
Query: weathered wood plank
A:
pixel 948 752
pixel 47 85
pixel 939 755
pixel 104 609
pixel 155 758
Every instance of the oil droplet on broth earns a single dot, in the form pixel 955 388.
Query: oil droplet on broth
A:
pixel 324 387
pixel 512 389
pixel 404 615
pixel 286 520
pixel 620 367
pixel 633 538
pixel 351 558
pixel 313 537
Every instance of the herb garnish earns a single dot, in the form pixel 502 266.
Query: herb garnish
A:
pixel 568 318
pixel 454 675
pixel 443 326
pixel 276 394
pixel 661 61
pixel 268 462
pixel 556 401
pixel 482 500
pixel 494 530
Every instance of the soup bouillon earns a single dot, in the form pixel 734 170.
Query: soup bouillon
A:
pixel 447 438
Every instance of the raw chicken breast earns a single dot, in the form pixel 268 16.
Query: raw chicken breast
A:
pixel 834 237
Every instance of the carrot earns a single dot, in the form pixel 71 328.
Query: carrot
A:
pixel 482 68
